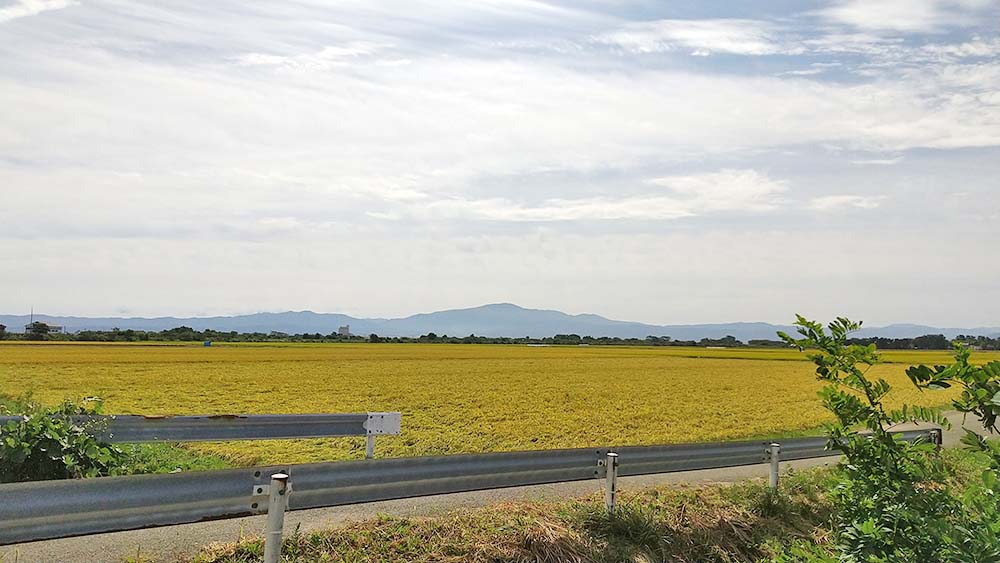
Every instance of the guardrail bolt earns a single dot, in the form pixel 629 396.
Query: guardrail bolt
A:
pixel 611 479
pixel 774 452
pixel 277 503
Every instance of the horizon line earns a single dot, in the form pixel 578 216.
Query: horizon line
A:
pixel 485 305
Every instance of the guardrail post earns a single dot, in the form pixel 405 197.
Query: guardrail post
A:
pixel 937 436
pixel 276 505
pixel 379 423
pixel 611 481
pixel 774 452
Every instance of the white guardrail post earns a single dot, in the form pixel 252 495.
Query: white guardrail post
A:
pixel 611 482
pixel 774 452
pixel 276 505
pixel 370 446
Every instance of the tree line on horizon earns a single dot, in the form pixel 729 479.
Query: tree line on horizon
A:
pixel 40 331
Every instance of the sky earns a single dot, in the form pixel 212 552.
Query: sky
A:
pixel 664 162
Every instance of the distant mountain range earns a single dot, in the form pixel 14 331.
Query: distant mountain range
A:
pixel 502 319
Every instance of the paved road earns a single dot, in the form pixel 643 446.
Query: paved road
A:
pixel 175 542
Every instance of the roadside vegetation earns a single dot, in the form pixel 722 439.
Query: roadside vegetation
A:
pixel 893 501
pixel 715 523
pixel 45 443
pixel 740 522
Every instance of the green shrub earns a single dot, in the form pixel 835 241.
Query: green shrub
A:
pixel 45 443
pixel 980 394
pixel 892 502
pixel 976 535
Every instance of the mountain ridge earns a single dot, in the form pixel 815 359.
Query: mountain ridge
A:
pixel 493 320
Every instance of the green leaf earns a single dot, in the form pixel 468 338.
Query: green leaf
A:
pixel 45 444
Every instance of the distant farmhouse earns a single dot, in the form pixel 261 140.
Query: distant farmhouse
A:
pixel 344 330
pixel 43 328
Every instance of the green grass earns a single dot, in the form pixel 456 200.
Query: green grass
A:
pixel 162 457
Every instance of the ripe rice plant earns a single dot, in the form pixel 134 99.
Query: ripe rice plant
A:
pixel 454 398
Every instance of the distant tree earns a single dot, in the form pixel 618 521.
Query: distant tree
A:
pixel 931 342
pixel 38 331
pixel 566 339
pixel 3 331
pixel 373 338
pixel 764 343
pixel 185 333
pixel 980 342
pixel 726 341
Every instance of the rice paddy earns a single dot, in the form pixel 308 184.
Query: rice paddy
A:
pixel 454 398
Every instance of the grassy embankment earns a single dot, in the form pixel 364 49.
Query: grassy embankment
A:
pixel 708 523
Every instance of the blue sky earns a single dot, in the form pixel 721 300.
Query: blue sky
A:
pixel 656 161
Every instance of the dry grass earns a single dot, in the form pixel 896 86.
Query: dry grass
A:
pixel 719 523
pixel 455 398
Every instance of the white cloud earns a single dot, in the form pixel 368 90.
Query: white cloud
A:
pixel 701 37
pixel 868 43
pixel 741 191
pixel 804 72
pixel 24 8
pixel 924 16
pixel 327 57
pixel 879 161
pixel 435 140
pixel 226 134
pixel 977 47
pixel 726 190
pixel 813 69
pixel 588 209
pixel 833 202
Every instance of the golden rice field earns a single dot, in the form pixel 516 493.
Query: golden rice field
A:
pixel 454 398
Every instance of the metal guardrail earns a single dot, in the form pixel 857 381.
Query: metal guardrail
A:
pixel 53 509
pixel 124 429
pixel 217 428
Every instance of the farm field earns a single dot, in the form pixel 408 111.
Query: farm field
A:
pixel 454 398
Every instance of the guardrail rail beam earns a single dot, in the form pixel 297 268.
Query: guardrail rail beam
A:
pixel 42 510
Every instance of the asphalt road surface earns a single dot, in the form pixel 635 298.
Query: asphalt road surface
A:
pixel 172 543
